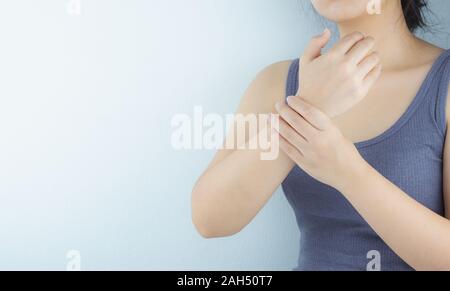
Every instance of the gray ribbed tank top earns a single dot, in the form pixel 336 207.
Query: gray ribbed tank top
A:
pixel 410 154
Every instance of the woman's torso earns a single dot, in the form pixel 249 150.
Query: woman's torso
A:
pixel 400 130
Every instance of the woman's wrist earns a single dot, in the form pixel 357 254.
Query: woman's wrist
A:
pixel 356 172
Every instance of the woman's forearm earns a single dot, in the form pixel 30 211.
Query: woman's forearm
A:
pixel 230 194
pixel 415 233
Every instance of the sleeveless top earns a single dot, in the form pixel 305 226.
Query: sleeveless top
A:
pixel 410 154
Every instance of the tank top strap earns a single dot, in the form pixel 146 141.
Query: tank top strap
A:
pixel 292 78
pixel 440 90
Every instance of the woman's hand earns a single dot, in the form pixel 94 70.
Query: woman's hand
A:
pixel 315 144
pixel 341 78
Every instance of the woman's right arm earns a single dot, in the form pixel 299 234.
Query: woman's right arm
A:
pixel 238 183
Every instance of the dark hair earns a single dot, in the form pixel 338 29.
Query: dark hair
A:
pixel 414 13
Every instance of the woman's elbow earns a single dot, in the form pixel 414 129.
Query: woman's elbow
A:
pixel 203 216
pixel 208 231
pixel 204 226
pixel 204 230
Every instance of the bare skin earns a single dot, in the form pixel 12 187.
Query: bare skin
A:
pixel 237 184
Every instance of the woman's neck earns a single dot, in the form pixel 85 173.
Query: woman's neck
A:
pixel 394 41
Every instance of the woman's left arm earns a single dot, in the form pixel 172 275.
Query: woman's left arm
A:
pixel 415 233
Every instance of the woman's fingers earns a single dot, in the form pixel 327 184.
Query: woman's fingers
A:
pixel 372 76
pixel 361 50
pixel 292 136
pixel 368 64
pixel 296 121
pixel 311 114
pixel 346 43
pixel 291 151
pixel 315 46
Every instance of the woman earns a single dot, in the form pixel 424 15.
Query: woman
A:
pixel 364 161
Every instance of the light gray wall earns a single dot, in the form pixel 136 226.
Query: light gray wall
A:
pixel 86 103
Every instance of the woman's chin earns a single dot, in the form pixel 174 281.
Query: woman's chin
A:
pixel 341 10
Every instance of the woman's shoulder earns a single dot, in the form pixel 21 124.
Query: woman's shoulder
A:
pixel 430 55
pixel 274 75
pixel 267 88
pixel 434 52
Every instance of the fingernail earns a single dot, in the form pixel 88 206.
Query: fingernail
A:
pixel 289 99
